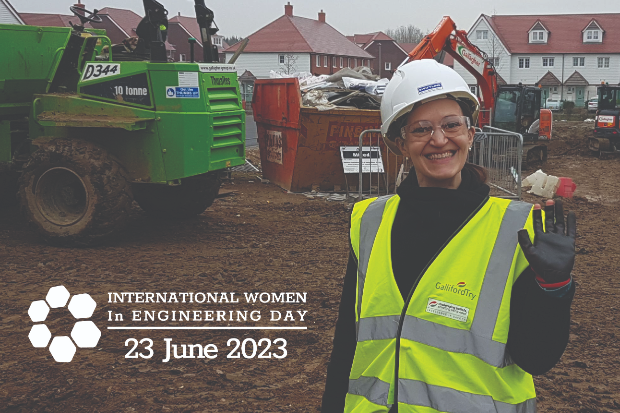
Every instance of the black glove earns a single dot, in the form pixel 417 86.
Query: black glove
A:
pixel 552 256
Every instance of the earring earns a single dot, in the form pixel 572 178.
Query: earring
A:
pixel 470 148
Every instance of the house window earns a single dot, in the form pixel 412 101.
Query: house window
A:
pixel 548 61
pixel 603 62
pixel 579 61
pixel 281 57
pixel 495 61
pixel 349 62
pixel 482 34
pixel 524 63
pixel 592 35
pixel 538 36
pixel 318 60
pixel 182 58
pixel 334 62
pixel 325 61
pixel 555 89
pixel 355 62
pixel 388 65
pixel 217 41
pixel 473 89
pixel 342 62
pixel 571 90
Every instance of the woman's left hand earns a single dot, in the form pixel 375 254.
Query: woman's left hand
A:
pixel 552 256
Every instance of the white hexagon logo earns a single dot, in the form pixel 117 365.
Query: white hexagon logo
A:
pixel 38 311
pixel 85 334
pixel 57 296
pixel 62 349
pixel 39 335
pixel 82 306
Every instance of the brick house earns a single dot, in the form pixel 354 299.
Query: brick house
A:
pixel 569 55
pixel 388 54
pixel 297 44
pixel 8 15
pixel 181 28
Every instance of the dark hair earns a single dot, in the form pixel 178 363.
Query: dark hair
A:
pixel 477 172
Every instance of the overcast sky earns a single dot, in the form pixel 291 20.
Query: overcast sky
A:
pixel 243 17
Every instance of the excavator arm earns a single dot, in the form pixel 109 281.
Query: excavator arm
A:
pixel 446 37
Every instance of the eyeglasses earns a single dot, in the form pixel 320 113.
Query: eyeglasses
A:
pixel 422 130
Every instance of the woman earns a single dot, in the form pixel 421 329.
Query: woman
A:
pixel 438 296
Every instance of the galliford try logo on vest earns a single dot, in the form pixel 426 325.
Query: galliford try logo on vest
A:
pixel 459 289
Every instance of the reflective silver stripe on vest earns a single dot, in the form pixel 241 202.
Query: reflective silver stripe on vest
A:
pixel 445 399
pixel 371 220
pixel 378 328
pixel 477 342
pixel 455 341
pixel 496 276
pixel 371 388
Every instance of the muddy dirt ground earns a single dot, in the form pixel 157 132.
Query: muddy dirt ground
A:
pixel 258 238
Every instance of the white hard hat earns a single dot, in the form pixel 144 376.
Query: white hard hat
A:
pixel 416 83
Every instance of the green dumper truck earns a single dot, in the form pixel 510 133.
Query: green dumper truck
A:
pixel 86 127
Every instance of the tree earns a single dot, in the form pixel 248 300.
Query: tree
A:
pixel 495 51
pixel 232 40
pixel 406 34
pixel 289 66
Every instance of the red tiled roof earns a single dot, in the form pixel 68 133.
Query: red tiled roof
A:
pixel 127 20
pixel 191 26
pixel 300 35
pixel 49 20
pixel 565 33
pixel 407 47
pixel 364 40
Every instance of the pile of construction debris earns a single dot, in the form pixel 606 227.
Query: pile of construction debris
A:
pixel 356 87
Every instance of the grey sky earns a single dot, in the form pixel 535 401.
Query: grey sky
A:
pixel 243 17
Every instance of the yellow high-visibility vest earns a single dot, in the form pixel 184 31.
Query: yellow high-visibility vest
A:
pixel 443 349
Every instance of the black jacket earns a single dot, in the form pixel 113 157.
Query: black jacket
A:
pixel 425 219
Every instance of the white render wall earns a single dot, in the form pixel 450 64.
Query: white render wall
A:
pixel 563 67
pixel 260 64
pixel 6 16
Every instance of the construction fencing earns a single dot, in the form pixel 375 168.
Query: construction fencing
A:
pixel 500 152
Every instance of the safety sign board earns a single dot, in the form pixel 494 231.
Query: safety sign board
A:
pixel 371 159
pixel 182 92
pixel 188 79
pixel 274 146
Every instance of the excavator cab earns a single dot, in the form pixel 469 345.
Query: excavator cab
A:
pixel 516 109
pixel 607 127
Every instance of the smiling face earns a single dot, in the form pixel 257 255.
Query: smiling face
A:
pixel 438 160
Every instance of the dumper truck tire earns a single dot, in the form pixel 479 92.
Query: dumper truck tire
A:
pixel 74 193
pixel 191 198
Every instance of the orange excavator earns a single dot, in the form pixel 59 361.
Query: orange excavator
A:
pixel 514 108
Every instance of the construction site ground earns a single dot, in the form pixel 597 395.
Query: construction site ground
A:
pixel 258 238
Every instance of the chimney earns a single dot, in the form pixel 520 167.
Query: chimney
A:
pixel 288 9
pixel 179 14
pixel 322 16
